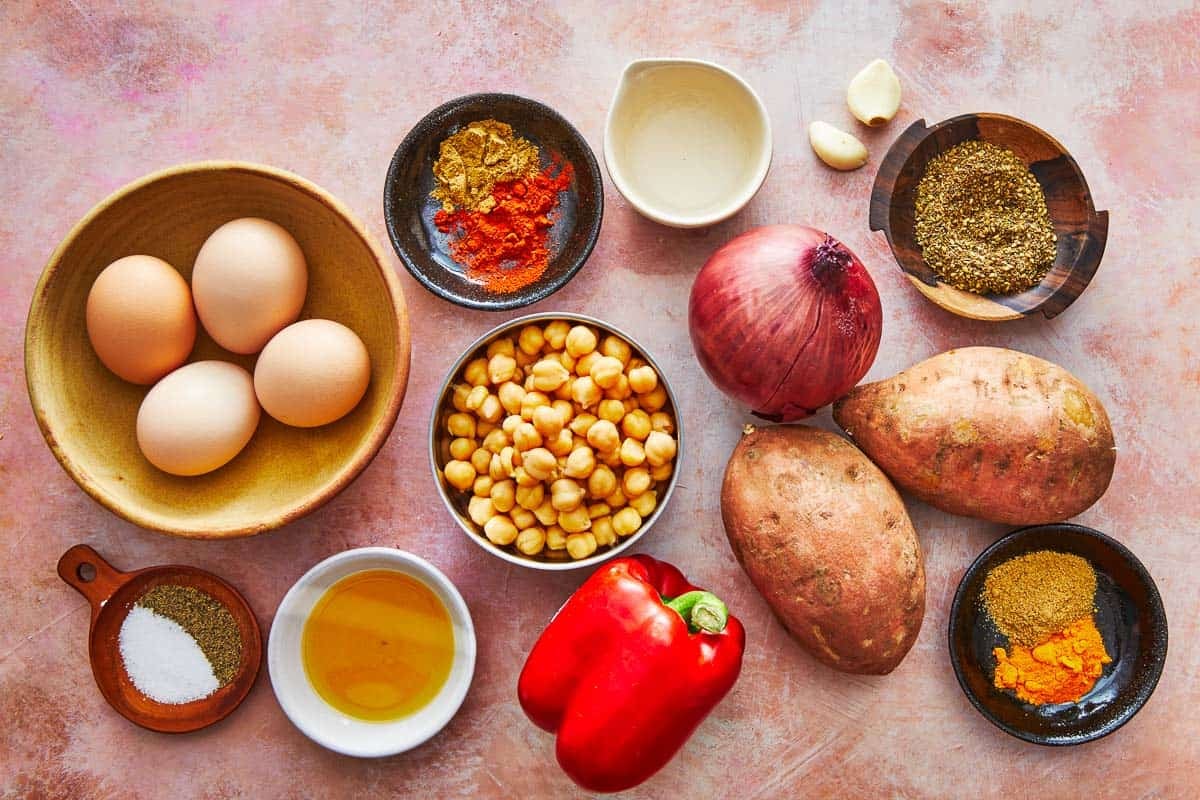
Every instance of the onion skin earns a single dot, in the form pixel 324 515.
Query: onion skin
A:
pixel 785 319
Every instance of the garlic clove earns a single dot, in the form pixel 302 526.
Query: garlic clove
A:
pixel 874 94
pixel 836 148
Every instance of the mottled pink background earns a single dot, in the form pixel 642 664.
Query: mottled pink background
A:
pixel 95 94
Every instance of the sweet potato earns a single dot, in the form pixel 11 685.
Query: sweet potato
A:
pixel 826 541
pixel 986 432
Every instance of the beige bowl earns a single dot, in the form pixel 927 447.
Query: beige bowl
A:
pixel 88 414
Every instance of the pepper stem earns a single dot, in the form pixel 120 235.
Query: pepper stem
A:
pixel 702 611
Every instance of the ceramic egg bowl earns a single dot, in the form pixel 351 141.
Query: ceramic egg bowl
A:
pixel 1082 230
pixel 1129 615
pixel 408 208
pixel 88 415
pixel 456 501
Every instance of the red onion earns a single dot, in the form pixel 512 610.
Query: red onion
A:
pixel 785 319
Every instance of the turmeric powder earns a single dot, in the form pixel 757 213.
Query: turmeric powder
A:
pixel 1061 669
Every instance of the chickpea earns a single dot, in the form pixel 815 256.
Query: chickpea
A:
pixel 633 364
pixel 508 462
pixel 461 448
pixel 611 410
pixel 581 545
pixel 585 392
pixel 644 503
pixel 482 486
pixel 585 364
pixel 540 463
pixel 511 394
pixel 603 436
pixel 556 537
pixel 660 448
pixel 597 510
pixel 562 444
pixel 635 481
pixel 496 468
pixel 475 397
pixel 566 494
pixel 503 495
pixel 526 437
pixel 618 348
pixel 662 472
pixel 580 463
pixel 661 421
pixel 522 517
pixel 483 427
pixel 528 385
pixel 531 340
pixel 480 460
pixel 525 359
pixel 530 497
pixel 602 529
pixel 510 423
pixel 496 441
pixel 643 379
pixel 546 513
pixel 491 410
pixel 601 482
pixel 549 374
pixel 459 474
pixel 626 521
pixel 555 333
pixel 580 341
pixel 548 421
pixel 612 458
pixel 620 390
pixel 582 424
pixel 566 411
pixel 500 530
pixel 458 397
pixel 531 402
pixel 617 499
pixel 523 478
pixel 461 425
pixel 632 453
pixel 630 404
pixel 563 392
pixel 606 371
pixel 567 360
pixel 480 510
pixel 636 425
pixel 574 521
pixel 503 345
pixel 654 400
pixel 475 373
pixel 531 540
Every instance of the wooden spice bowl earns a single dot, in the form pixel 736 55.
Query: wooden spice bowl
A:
pixel 88 415
pixel 1128 613
pixel 408 208
pixel 111 594
pixel 1081 230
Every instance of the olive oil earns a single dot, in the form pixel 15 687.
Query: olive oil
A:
pixel 378 645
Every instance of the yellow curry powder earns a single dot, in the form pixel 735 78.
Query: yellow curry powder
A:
pixel 477 157
pixel 1061 669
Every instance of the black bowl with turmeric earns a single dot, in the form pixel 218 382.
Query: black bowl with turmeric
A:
pixel 1126 611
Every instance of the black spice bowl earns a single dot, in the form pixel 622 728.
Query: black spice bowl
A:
pixel 408 209
pixel 1129 615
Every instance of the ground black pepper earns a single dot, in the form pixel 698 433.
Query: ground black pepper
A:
pixel 206 620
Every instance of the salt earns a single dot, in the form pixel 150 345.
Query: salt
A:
pixel 163 660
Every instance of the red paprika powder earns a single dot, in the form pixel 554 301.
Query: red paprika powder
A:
pixel 507 248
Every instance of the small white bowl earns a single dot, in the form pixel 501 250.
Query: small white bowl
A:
pixel 326 725
pixel 686 181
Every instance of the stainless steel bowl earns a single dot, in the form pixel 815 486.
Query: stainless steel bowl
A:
pixel 456 501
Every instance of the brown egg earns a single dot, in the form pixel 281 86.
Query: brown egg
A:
pixel 197 418
pixel 249 281
pixel 312 373
pixel 140 318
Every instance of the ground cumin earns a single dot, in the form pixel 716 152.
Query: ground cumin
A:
pixel 474 159
pixel 1034 595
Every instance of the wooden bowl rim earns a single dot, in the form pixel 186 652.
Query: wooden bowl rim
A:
pixel 364 454
pixel 932 292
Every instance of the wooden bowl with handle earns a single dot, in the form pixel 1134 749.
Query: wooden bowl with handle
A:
pixel 111 594
pixel 1082 230
pixel 88 415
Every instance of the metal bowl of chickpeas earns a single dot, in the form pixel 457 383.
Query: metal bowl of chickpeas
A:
pixel 554 441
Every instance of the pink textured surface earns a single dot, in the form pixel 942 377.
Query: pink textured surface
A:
pixel 96 94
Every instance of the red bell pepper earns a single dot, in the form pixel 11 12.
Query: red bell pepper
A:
pixel 627 669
